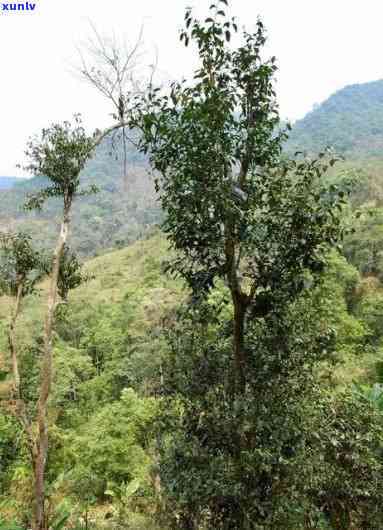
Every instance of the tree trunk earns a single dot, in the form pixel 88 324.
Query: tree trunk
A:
pixel 41 445
pixel 240 303
pixel 238 340
pixel 11 338
pixel 125 154
pixel 19 408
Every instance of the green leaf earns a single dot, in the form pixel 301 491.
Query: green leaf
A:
pixel 61 521
pixel 132 487
pixel 109 493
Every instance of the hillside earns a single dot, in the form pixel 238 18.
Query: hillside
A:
pixel 127 292
pixel 351 121
pixel 108 353
pixel 130 294
pixel 109 349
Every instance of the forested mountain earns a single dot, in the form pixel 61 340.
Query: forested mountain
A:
pixel 121 211
pixel 7 183
pixel 350 121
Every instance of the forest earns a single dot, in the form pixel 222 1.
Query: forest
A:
pixel 191 305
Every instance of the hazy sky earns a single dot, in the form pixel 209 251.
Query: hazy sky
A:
pixel 321 45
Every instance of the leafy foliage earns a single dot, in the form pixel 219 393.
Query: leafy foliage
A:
pixel 60 154
pixel 306 456
pixel 19 263
pixel 349 489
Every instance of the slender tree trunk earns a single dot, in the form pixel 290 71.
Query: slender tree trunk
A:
pixel 19 410
pixel 39 520
pixel 125 176
pixel 11 338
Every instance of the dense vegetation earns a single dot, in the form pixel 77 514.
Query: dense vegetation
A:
pixel 110 339
pixel 225 372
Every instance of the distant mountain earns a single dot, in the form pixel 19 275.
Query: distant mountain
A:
pixel 6 183
pixel 351 121
pixel 124 209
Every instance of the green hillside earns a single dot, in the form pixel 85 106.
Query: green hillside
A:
pixel 351 121
pixel 127 282
pixel 108 355
pixel 131 283
pixel 109 351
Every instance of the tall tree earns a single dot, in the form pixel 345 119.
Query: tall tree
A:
pixel 235 208
pixel 238 211
pixel 59 154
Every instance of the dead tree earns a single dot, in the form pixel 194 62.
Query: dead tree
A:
pixel 114 68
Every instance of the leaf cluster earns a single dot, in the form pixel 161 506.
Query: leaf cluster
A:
pixel 20 264
pixel 233 202
pixel 59 154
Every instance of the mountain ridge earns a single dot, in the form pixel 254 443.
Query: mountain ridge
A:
pixel 350 121
pixel 7 183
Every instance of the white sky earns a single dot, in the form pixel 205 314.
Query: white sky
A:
pixel 321 46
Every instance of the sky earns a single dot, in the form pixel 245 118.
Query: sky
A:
pixel 321 46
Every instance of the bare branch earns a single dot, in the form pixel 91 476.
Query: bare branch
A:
pixel 110 65
pixel 114 69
